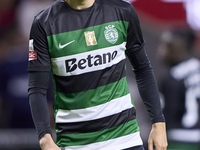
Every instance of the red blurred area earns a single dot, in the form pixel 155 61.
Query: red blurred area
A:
pixel 162 15
pixel 158 11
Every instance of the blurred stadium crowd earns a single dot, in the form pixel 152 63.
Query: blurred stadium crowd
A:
pixel 15 117
pixel 16 126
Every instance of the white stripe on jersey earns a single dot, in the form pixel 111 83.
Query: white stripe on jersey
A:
pixel 84 59
pixel 119 143
pixel 78 115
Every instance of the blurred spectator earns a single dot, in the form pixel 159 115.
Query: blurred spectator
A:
pixel 16 125
pixel 14 80
pixel 180 87
pixel 7 22
pixel 14 104
pixel 6 12
pixel 7 15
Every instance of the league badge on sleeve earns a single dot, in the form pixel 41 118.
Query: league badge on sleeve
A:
pixel 32 53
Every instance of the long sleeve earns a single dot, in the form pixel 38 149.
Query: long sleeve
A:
pixel 38 84
pixel 39 68
pixel 143 71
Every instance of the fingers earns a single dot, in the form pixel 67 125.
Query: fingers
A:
pixel 158 146
pixel 150 145
pixel 161 148
pixel 158 137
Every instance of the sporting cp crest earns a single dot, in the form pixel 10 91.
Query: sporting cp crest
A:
pixel 111 34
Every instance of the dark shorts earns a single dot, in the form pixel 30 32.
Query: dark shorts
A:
pixel 135 148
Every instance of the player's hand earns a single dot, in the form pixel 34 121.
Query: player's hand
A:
pixel 158 137
pixel 47 143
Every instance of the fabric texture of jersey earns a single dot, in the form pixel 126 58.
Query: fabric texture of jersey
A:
pixel 85 50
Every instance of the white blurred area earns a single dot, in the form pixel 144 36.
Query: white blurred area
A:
pixel 26 12
pixel 192 8
pixel 132 0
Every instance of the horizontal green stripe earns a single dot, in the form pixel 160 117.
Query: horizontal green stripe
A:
pixel 90 98
pixel 79 45
pixel 93 137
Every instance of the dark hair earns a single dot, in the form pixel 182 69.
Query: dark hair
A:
pixel 187 35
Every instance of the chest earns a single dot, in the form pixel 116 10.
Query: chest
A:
pixel 80 33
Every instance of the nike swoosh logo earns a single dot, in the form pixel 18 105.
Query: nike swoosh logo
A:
pixel 62 46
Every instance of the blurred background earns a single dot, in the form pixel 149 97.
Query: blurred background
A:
pixel 171 29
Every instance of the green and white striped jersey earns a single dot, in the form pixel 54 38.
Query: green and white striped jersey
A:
pixel 85 50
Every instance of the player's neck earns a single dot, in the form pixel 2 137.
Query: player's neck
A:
pixel 80 4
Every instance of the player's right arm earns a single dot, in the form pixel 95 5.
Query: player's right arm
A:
pixel 38 69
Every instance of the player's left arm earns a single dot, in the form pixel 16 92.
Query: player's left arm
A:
pixel 146 81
